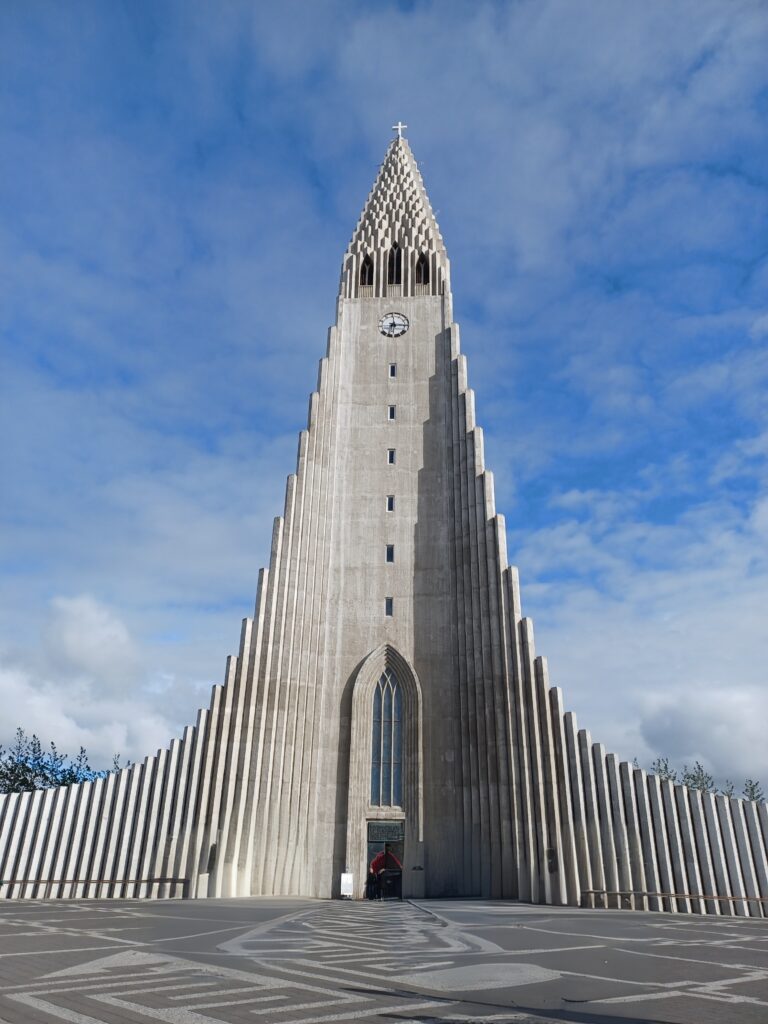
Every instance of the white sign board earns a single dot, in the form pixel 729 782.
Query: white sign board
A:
pixel 346 884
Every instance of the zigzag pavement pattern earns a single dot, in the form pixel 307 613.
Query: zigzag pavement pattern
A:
pixel 469 961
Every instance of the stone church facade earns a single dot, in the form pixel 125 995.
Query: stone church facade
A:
pixel 387 684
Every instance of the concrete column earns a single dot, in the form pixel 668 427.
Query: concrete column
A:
pixel 634 840
pixel 661 840
pixel 160 851
pixel 544 893
pixel 201 825
pixel 704 852
pixel 746 860
pixel 621 843
pixel 759 851
pixel 570 867
pixel 581 837
pixel 71 868
pixel 525 836
pixel 137 823
pixel 99 866
pixel 719 863
pixel 496 556
pixel 610 865
pixel 70 796
pixel 676 855
pixel 690 854
pixel 126 832
pixel 723 805
pixel 592 811
pixel 647 838
pixel 554 853
pixel 154 833
pixel 187 850
pixel 19 823
pixel 26 847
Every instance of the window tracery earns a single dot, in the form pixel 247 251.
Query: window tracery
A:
pixel 387 743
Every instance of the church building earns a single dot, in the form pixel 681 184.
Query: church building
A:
pixel 386 716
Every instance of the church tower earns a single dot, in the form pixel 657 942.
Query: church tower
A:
pixel 382 659
pixel 386 711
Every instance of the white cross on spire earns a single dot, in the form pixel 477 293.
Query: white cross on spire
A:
pixel 399 128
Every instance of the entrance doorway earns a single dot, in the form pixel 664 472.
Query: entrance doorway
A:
pixel 385 860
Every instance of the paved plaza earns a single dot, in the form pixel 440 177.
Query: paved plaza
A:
pixel 269 961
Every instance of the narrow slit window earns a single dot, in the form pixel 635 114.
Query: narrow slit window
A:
pixel 393 369
pixel 391 456
pixel 391 412
pixel 422 269
pixel 389 606
pixel 366 271
pixel 395 265
pixel 390 552
pixel 390 503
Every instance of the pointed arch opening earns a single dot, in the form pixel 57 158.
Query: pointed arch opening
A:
pixel 422 269
pixel 395 265
pixel 366 271
pixel 386 763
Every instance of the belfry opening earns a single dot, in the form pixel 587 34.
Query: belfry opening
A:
pixel 395 265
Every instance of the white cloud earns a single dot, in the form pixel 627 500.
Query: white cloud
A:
pixel 723 728
pixel 83 685
pixel 656 632
pixel 759 327
pixel 88 640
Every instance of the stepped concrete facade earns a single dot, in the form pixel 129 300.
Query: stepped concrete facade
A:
pixel 388 679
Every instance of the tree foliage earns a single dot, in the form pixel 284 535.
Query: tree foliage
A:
pixel 662 768
pixel 698 777
pixel 753 790
pixel 26 765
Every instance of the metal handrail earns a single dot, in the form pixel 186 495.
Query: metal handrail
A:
pixel 648 894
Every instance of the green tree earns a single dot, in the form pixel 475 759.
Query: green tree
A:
pixel 698 778
pixel 753 790
pixel 664 770
pixel 26 765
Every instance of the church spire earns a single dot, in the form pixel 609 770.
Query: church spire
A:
pixel 396 247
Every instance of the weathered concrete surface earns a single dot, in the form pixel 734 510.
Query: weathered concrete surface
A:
pixel 282 961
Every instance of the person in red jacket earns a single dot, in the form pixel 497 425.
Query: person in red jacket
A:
pixel 385 860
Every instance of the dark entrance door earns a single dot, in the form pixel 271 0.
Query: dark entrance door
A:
pixel 391 884
pixel 385 860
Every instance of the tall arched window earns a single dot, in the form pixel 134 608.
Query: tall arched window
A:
pixel 387 743
pixel 395 265
pixel 366 271
pixel 422 269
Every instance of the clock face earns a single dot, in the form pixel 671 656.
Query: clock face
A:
pixel 393 324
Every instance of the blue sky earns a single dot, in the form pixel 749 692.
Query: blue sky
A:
pixel 178 182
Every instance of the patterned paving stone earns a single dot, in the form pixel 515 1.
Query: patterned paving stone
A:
pixel 303 962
